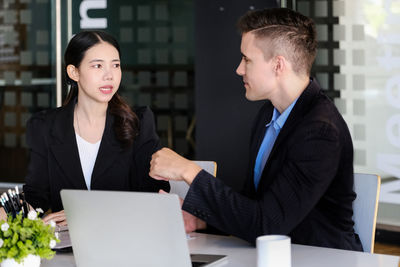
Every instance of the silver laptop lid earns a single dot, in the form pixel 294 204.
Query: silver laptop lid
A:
pixel 109 228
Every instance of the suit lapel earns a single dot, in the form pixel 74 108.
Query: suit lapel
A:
pixel 298 111
pixel 258 130
pixel 64 146
pixel 109 150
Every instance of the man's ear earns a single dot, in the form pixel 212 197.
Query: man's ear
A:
pixel 73 72
pixel 280 64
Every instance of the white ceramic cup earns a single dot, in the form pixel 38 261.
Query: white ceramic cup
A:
pixel 273 251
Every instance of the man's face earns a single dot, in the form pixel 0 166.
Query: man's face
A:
pixel 258 74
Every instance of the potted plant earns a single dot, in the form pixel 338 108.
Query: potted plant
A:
pixel 25 240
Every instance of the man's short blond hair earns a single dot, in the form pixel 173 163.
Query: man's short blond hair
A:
pixel 282 31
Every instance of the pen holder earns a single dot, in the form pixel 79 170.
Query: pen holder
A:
pixel 14 203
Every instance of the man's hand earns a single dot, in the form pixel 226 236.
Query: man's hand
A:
pixel 58 217
pixel 191 222
pixel 167 165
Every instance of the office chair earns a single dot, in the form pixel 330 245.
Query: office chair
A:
pixel 365 208
pixel 181 188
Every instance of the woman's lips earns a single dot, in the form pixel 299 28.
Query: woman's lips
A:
pixel 106 89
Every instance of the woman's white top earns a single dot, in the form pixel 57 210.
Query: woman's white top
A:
pixel 87 154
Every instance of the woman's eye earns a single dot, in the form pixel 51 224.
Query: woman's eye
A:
pixel 117 65
pixel 97 66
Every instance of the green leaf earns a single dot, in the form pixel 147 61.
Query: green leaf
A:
pixel 12 252
pixel 14 239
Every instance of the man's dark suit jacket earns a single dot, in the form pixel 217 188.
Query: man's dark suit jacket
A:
pixel 55 164
pixel 306 188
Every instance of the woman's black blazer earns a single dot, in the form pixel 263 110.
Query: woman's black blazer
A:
pixel 55 164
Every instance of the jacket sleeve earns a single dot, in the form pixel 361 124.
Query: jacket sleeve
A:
pixel 37 188
pixel 310 167
pixel 146 144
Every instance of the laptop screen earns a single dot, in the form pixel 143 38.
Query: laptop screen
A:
pixel 109 228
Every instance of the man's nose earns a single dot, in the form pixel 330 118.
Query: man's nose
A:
pixel 240 68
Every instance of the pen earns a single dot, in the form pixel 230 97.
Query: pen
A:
pixel 13 202
pixel 16 201
pixel 10 196
pixel 25 206
pixel 10 206
pixel 17 195
pixel 3 202
pixel 3 197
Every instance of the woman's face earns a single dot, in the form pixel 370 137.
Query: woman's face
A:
pixel 99 73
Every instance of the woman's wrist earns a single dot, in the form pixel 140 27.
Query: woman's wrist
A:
pixel 3 214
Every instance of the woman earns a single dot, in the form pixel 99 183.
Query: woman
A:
pixel 94 141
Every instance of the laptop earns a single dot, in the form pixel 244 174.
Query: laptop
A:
pixel 109 228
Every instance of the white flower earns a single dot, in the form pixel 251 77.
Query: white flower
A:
pixel 52 223
pixel 57 235
pixel 52 243
pixel 32 215
pixel 39 210
pixel 1 242
pixel 4 227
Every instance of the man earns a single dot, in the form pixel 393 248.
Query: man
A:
pixel 300 179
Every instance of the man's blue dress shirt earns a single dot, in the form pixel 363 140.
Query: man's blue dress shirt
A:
pixel 273 129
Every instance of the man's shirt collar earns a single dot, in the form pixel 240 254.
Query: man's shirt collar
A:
pixel 278 120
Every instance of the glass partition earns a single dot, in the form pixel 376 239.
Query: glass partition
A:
pixel 370 46
pixel 157 43
pixel 27 77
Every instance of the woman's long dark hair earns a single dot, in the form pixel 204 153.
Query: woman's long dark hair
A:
pixel 126 123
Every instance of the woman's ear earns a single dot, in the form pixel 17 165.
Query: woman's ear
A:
pixel 73 72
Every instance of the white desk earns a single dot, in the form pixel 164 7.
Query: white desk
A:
pixel 240 253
